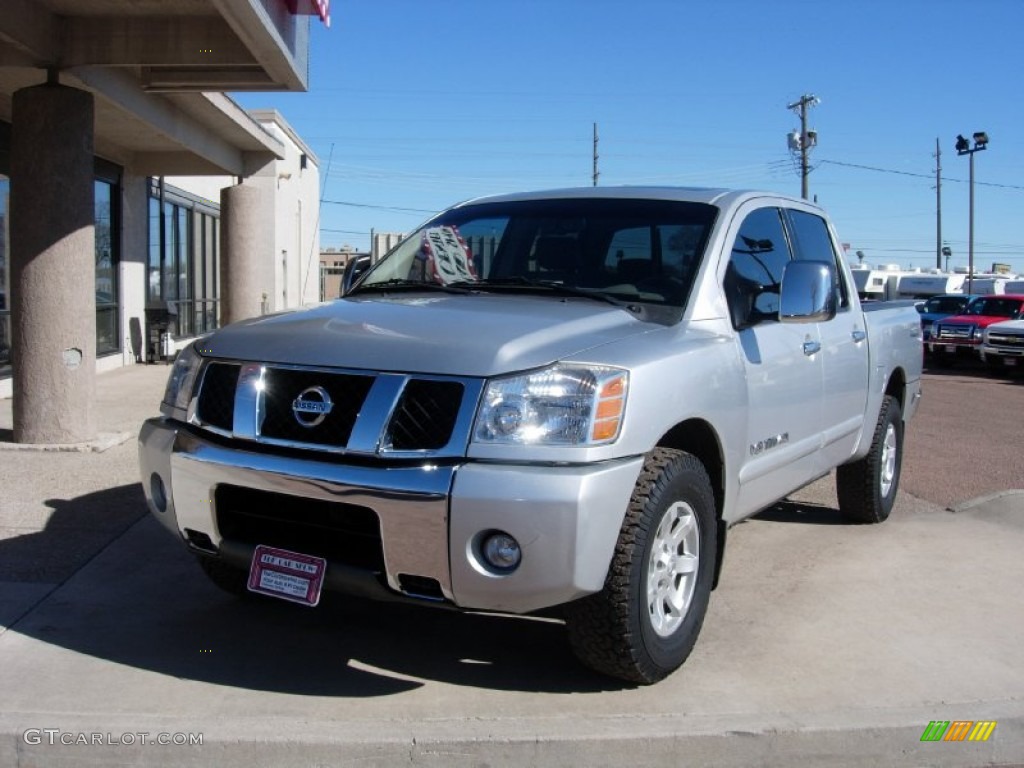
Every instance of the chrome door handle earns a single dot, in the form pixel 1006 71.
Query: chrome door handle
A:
pixel 811 347
pixel 858 335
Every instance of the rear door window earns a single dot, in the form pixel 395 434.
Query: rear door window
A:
pixel 813 242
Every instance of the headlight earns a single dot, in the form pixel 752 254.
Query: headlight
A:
pixel 560 405
pixel 181 381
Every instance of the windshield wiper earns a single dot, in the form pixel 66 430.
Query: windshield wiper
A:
pixel 398 283
pixel 547 286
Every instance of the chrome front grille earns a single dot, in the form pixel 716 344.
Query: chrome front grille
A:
pixel 281 386
pixel 952 331
pixel 1011 340
pixel 342 411
pixel 216 403
pixel 425 415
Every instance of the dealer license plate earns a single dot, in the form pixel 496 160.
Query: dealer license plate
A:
pixel 288 575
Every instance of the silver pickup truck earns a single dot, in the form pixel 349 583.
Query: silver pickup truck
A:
pixel 550 400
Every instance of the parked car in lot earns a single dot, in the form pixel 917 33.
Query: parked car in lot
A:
pixel 939 308
pixel 1002 345
pixel 559 399
pixel 960 336
pixel 354 269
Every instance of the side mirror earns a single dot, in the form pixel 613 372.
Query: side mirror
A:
pixel 808 292
pixel 354 269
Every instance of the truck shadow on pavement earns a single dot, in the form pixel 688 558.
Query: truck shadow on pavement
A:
pixel 143 602
pixel 804 512
pixel 74 533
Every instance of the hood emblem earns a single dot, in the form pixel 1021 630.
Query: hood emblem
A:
pixel 311 407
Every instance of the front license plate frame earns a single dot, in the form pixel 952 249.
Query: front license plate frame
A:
pixel 287 575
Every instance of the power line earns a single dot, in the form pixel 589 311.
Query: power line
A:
pixel 394 208
pixel 917 175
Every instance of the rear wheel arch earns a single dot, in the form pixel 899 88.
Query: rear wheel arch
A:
pixel 897 387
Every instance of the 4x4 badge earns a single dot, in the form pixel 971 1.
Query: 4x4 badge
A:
pixel 312 406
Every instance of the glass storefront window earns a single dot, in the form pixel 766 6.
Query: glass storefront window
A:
pixel 183 260
pixel 108 326
pixel 155 262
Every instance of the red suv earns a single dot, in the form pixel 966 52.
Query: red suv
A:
pixel 960 335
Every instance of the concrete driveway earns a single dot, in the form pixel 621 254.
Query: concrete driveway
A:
pixel 825 644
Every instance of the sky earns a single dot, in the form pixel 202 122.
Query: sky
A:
pixel 414 105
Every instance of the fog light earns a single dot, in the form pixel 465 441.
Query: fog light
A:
pixel 501 552
pixel 157 492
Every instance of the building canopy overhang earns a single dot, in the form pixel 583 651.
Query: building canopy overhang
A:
pixel 158 70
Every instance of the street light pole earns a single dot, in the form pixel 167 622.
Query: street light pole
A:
pixel 970 227
pixel 963 147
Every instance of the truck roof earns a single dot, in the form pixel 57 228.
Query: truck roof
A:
pixel 717 196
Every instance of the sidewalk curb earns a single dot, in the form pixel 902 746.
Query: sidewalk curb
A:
pixel 104 441
pixel 970 504
pixel 819 739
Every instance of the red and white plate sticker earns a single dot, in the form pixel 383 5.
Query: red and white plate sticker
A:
pixel 288 575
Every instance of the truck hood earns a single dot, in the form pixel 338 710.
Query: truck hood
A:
pixel 474 335
pixel 1005 326
pixel 978 321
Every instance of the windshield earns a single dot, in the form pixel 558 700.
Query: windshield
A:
pixel 995 307
pixel 645 251
pixel 949 305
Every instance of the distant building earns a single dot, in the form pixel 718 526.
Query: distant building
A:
pixel 382 242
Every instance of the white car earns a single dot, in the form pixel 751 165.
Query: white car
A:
pixel 1002 345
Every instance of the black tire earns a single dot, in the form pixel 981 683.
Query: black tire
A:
pixel 996 366
pixel 230 578
pixel 867 488
pixel 613 631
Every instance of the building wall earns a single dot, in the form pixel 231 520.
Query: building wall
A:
pixel 296 269
pixel 382 242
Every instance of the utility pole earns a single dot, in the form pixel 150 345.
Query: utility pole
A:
pixel 806 140
pixel 938 205
pixel 596 174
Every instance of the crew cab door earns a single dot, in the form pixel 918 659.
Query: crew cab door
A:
pixel 782 363
pixel 844 346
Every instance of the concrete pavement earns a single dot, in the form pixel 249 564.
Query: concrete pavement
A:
pixel 825 644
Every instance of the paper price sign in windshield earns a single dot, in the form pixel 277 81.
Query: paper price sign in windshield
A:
pixel 448 254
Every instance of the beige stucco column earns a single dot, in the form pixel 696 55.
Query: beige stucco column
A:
pixel 246 250
pixel 53 265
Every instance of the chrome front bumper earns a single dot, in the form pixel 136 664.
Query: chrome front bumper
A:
pixel 432 517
